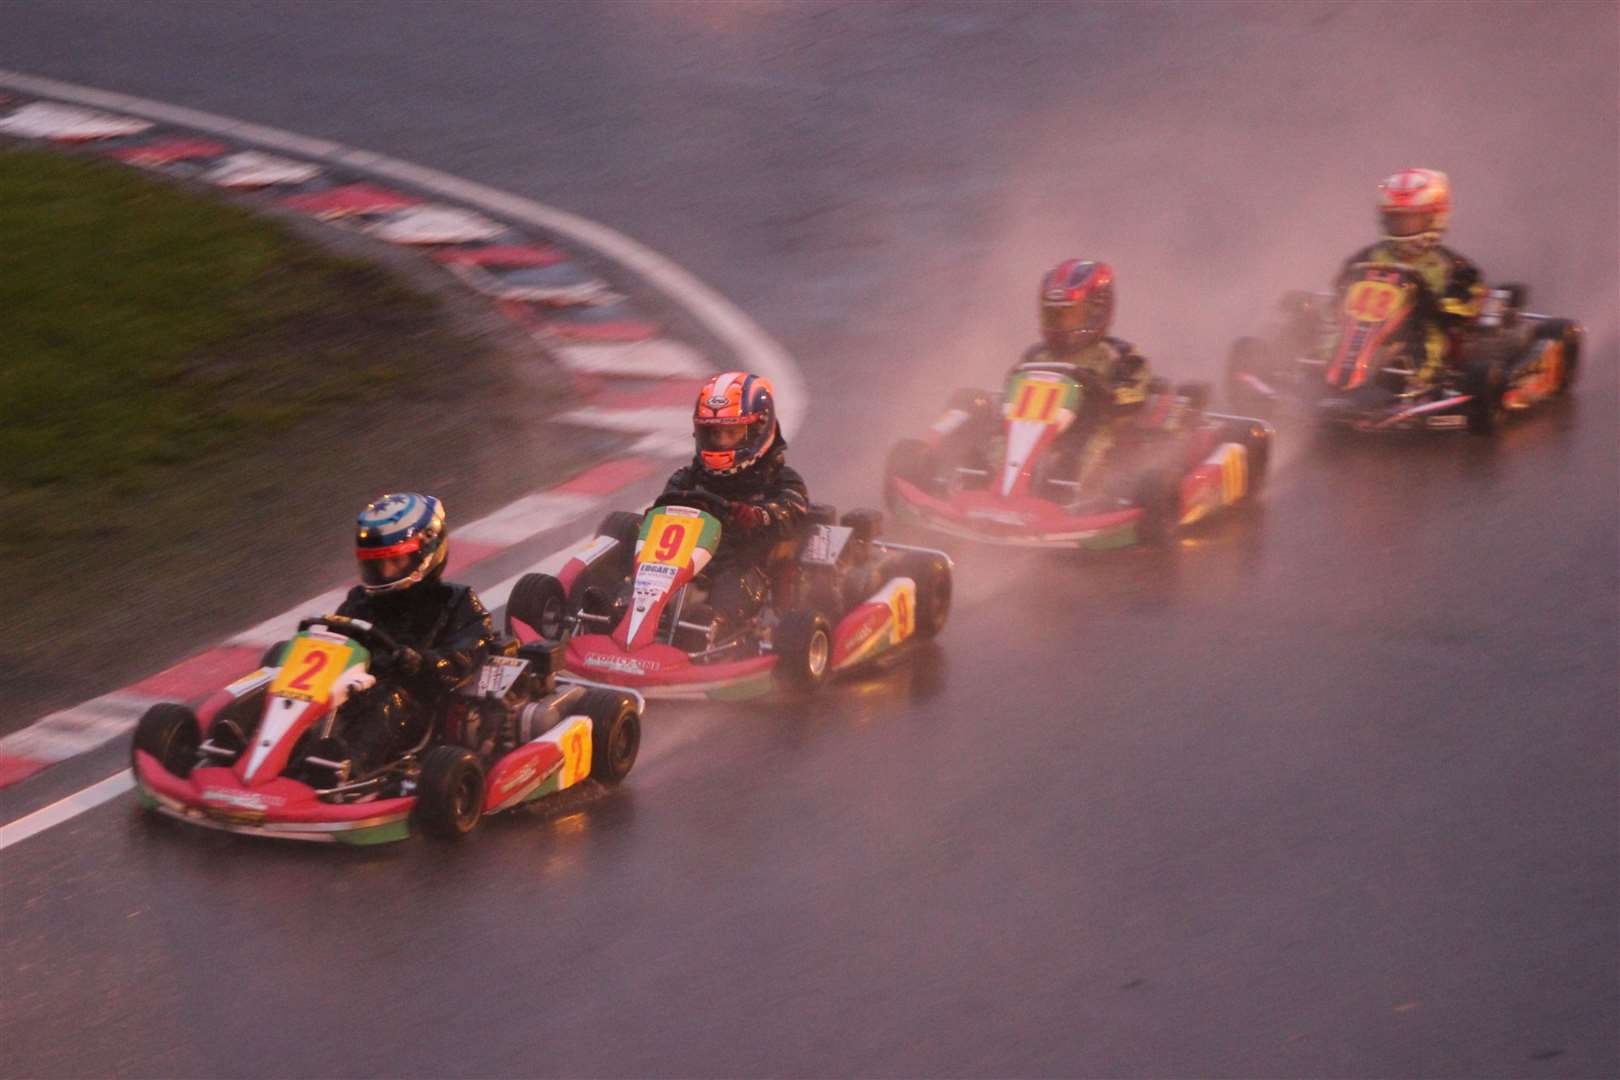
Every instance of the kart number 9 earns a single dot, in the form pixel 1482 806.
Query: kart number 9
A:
pixel 670 540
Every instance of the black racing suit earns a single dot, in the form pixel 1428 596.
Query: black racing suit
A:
pixel 450 630
pixel 1455 291
pixel 1121 369
pixel 737 575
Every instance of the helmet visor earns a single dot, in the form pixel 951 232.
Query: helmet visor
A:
pixel 1065 317
pixel 715 438
pixel 1407 221
pixel 386 571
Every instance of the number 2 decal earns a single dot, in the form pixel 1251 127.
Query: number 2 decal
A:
pixel 314 662
pixel 576 754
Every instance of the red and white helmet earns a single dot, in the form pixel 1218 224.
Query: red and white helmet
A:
pixel 1414 208
pixel 734 422
pixel 1077 304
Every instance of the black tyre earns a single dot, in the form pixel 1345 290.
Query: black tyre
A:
pixel 615 733
pixel 624 527
pixel 932 573
pixel 171 735
pixel 1158 493
pixel 1570 334
pixel 1485 382
pixel 1196 393
pixel 272 655
pixel 803 646
pixel 978 404
pixel 449 792
pixel 539 601
pixel 1256 439
pixel 910 460
pixel 1249 356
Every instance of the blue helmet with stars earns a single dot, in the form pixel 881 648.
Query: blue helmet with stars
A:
pixel 400 540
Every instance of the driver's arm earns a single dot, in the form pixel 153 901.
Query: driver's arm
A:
pixel 786 503
pixel 1464 290
pixel 465 642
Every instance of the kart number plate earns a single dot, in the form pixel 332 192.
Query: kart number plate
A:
pixel 670 540
pixel 825 543
pixel 498 674
pixel 1373 301
pixel 1040 399
pixel 310 668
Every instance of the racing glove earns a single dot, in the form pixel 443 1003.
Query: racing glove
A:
pixel 749 516
pixel 407 661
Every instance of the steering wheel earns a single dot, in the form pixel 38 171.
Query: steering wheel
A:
pixel 373 638
pixel 698 499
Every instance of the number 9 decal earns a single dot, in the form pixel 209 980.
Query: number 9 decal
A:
pixel 669 542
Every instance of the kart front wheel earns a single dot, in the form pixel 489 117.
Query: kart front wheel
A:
pixel 910 460
pixel 1485 384
pixel 272 655
pixel 539 602
pixel 615 733
pixel 803 646
pixel 169 733
pixel 1565 333
pixel 932 573
pixel 1158 493
pixel 449 792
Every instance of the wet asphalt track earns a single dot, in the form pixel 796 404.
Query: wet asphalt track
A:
pixel 1329 790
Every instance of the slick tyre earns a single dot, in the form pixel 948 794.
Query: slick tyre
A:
pixel 539 602
pixel 932 573
pixel 615 733
pixel 171 735
pixel 803 646
pixel 449 792
pixel 1568 334
pixel 1485 382
pixel 1158 493
pixel 272 655
pixel 910 460
pixel 624 527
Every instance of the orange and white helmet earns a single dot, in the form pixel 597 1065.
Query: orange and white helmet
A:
pixel 734 422
pixel 1414 208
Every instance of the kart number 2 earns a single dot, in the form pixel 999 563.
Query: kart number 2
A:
pixel 309 669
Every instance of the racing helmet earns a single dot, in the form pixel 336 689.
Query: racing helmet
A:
pixel 734 422
pixel 1414 208
pixel 1077 304
pixel 400 540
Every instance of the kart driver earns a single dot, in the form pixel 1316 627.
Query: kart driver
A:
pixel 740 458
pixel 1414 208
pixel 1077 308
pixel 443 631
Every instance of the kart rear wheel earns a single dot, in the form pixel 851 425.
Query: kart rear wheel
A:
pixel 169 733
pixel 539 601
pixel 449 792
pixel 932 573
pixel 911 460
pixel 803 646
pixel 1569 333
pixel 1158 493
pixel 615 733
pixel 1485 382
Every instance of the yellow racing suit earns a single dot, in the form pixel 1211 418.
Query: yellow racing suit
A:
pixel 1454 284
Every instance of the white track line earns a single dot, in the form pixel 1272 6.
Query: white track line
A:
pixel 64 809
pixel 755 350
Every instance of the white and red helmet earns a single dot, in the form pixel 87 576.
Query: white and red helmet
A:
pixel 734 422
pixel 1414 208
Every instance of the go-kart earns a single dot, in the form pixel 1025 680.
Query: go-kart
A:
pixel 1008 472
pixel 1348 358
pixel 630 604
pixel 265 755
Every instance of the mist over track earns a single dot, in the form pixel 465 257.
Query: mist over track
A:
pixel 1330 790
